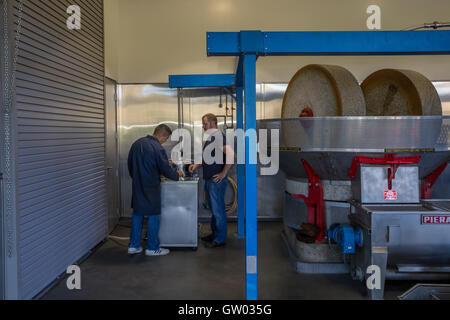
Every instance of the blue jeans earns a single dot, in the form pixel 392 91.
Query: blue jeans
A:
pixel 215 195
pixel 153 223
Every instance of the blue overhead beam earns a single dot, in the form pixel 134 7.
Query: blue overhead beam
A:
pixel 223 43
pixel 329 43
pixel 202 80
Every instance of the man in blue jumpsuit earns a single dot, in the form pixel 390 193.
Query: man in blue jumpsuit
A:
pixel 147 161
pixel 215 176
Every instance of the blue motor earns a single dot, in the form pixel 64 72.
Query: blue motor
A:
pixel 347 237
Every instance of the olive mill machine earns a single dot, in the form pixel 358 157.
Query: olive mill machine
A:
pixel 361 162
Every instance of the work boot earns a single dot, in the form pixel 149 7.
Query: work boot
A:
pixel 209 238
pixel 214 244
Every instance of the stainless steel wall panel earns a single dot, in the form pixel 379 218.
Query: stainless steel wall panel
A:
pixel 443 89
pixel 273 94
pixel 203 101
pixel 259 101
pixel 200 102
pixel 60 140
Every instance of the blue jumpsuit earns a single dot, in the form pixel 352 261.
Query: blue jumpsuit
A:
pixel 147 161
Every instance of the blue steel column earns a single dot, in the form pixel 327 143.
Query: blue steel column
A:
pixel 240 166
pixel 251 243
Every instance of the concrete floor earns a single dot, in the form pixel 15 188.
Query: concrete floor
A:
pixel 207 274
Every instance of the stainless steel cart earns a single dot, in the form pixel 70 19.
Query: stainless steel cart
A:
pixel 179 214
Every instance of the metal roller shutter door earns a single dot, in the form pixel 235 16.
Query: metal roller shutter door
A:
pixel 60 139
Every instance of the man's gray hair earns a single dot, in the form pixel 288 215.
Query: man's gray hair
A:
pixel 210 117
pixel 162 130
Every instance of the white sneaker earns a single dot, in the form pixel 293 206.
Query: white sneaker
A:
pixel 134 250
pixel 160 252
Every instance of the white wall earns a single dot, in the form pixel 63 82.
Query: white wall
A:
pixel 156 38
pixel 112 38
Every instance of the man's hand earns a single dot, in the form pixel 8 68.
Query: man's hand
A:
pixel 180 173
pixel 219 177
pixel 193 167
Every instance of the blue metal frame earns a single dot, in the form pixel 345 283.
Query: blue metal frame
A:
pixel 240 167
pixel 202 80
pixel 248 45
pixel 251 242
pixel 328 43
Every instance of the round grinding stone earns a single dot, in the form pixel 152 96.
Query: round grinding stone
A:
pixel 391 92
pixel 319 91
pixel 327 90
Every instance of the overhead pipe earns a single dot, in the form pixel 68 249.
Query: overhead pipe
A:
pixel 434 25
